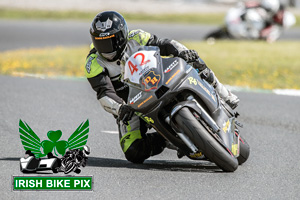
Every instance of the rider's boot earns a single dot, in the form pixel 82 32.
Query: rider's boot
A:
pixel 156 143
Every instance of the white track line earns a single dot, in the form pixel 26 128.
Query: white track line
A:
pixel 287 92
pixel 110 132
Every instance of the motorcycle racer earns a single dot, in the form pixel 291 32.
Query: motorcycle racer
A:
pixel 112 45
pixel 257 20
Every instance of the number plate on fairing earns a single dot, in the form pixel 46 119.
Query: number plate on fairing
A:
pixel 139 64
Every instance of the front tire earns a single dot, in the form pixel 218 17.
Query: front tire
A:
pixel 211 148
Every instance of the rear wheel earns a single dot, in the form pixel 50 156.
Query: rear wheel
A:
pixel 244 151
pixel 211 148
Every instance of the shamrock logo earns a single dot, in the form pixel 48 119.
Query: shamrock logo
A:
pixel 32 142
pixel 54 144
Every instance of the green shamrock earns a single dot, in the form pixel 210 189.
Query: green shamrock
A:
pixel 60 146
pixel 33 143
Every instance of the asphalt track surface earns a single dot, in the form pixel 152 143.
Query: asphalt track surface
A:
pixel 16 34
pixel 271 127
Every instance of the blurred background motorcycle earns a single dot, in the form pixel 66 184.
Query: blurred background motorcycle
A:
pixel 255 20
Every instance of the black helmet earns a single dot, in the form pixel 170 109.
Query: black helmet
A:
pixel 109 33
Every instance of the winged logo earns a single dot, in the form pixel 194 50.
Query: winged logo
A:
pixel 32 142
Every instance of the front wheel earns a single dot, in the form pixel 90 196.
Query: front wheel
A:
pixel 211 148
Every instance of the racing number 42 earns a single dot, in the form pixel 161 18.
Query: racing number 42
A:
pixel 133 68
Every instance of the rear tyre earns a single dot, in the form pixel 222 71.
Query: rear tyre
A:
pixel 244 151
pixel 211 148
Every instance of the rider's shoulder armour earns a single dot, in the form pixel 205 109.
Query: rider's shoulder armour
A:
pixel 92 67
pixel 140 36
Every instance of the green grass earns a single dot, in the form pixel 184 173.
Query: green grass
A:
pixel 238 63
pixel 58 61
pixel 253 64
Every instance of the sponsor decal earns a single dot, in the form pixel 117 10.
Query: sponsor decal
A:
pixel 102 26
pixel 226 126
pixel 88 64
pixel 136 98
pixel 104 34
pixel 173 64
pixel 150 81
pixel 196 155
pixel 145 70
pixel 133 33
pixel 122 88
pixel 206 90
pixel 145 101
pixel 192 80
pixel 149 120
pixel 173 76
pixel 105 37
pixel 235 149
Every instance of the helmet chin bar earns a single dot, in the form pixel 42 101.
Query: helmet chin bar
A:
pixel 109 56
pixel 116 54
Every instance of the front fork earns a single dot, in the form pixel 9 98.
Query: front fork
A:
pixel 194 105
pixel 195 152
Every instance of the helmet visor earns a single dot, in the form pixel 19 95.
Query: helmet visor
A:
pixel 110 43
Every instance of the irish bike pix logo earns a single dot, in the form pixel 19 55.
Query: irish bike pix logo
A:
pixel 40 149
pixel 53 155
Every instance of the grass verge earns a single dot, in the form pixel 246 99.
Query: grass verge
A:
pixel 254 64
pixel 238 63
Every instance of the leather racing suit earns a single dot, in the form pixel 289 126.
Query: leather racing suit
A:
pixel 104 77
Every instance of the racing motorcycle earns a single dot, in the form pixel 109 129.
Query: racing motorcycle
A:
pixel 171 97
pixel 240 24
pixel 74 159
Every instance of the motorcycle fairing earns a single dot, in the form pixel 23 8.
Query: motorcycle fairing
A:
pixel 177 78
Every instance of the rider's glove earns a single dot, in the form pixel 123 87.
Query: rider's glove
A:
pixel 199 65
pixel 125 113
pixel 189 55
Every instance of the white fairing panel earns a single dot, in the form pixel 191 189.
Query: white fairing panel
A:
pixel 138 64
